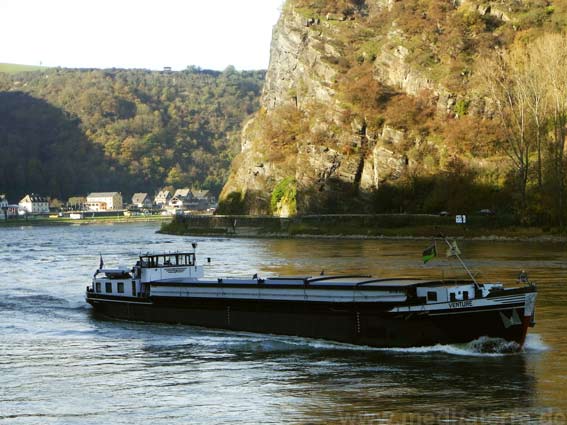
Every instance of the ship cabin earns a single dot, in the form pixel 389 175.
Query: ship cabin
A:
pixel 459 291
pixel 134 282
pixel 115 282
pixel 151 268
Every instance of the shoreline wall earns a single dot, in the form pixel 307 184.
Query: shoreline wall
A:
pixel 362 225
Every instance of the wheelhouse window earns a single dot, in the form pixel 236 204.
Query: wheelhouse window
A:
pixel 431 296
pixel 97 287
pixel 133 288
pixel 108 286
pixel 167 260
pixel 465 295
pixel 452 296
pixel 120 287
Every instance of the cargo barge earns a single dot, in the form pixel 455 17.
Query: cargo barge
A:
pixel 355 309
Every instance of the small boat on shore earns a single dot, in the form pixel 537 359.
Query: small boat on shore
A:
pixel 355 309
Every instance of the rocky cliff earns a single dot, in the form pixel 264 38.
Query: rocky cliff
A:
pixel 369 104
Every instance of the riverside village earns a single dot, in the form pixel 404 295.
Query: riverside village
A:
pixel 105 204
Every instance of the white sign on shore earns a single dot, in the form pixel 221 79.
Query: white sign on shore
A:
pixel 461 219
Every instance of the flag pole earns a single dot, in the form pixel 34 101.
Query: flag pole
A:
pixel 456 253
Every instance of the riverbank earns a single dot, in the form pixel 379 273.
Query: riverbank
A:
pixel 380 226
pixel 63 221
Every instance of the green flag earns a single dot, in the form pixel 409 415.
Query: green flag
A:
pixel 429 253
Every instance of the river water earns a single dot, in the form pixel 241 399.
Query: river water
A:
pixel 60 365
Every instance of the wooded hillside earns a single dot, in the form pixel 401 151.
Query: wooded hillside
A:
pixel 65 132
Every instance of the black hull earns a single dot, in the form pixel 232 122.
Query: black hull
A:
pixel 356 323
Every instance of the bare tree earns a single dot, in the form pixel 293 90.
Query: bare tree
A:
pixel 529 64
pixel 528 87
pixel 552 61
pixel 505 85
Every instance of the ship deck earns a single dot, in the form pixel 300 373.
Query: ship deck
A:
pixel 336 282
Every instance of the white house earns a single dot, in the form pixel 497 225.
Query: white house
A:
pixel 141 200
pixel 162 198
pixel 201 200
pixel 104 201
pixel 34 204
pixel 183 193
pixel 10 211
pixel 181 198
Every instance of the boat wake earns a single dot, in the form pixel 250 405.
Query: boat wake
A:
pixel 481 347
pixel 534 344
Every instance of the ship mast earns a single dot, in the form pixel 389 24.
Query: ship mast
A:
pixel 454 251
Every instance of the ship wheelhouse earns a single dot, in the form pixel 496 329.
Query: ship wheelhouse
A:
pixel 167 260
pixel 135 282
pixel 151 268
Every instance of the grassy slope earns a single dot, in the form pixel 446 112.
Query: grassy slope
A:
pixel 13 68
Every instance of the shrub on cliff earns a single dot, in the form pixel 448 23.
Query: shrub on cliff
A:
pixel 283 201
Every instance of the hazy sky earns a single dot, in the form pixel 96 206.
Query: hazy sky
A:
pixel 138 33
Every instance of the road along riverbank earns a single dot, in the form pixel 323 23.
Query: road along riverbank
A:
pixel 361 226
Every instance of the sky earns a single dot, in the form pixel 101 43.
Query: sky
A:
pixel 153 34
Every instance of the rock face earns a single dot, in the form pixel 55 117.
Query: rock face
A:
pixel 382 164
pixel 297 75
pixel 351 93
